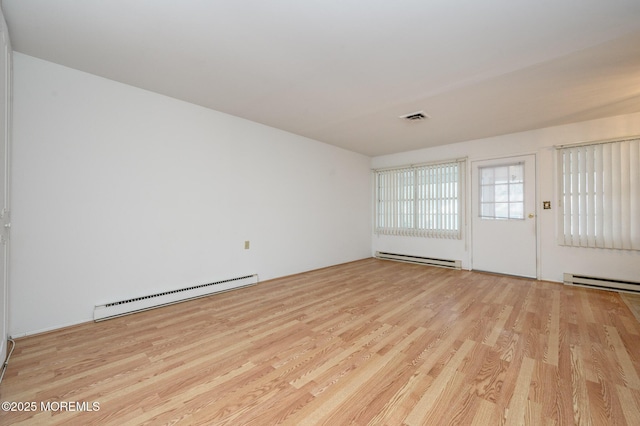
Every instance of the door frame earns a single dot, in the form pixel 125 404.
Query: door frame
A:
pixel 5 196
pixel 472 180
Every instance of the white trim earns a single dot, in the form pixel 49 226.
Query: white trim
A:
pixel 412 166
pixel 50 328
pixel 597 142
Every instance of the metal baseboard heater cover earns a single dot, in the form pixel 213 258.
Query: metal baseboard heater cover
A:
pixel 443 263
pixel 602 283
pixel 130 306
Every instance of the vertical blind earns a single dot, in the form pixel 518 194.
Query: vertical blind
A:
pixel 600 195
pixel 421 201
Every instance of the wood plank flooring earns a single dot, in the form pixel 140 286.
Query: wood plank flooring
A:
pixel 369 342
pixel 633 302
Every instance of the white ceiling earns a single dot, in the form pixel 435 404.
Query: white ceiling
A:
pixel 342 71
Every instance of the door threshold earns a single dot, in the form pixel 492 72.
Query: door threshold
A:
pixel 503 274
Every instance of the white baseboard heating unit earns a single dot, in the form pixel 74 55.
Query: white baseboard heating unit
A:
pixel 129 306
pixel 444 263
pixel 602 283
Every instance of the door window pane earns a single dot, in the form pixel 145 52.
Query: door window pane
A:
pixel 487 194
pixel 516 192
pixel 502 192
pixel 486 176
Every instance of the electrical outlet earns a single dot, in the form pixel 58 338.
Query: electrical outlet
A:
pixel 246 245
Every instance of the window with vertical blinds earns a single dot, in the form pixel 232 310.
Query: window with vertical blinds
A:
pixel 420 201
pixel 600 195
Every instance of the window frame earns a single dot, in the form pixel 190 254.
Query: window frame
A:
pixel 599 198
pixel 509 183
pixel 423 200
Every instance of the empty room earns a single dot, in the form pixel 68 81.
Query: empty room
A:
pixel 339 212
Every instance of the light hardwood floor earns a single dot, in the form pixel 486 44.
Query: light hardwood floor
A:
pixel 633 302
pixel 368 342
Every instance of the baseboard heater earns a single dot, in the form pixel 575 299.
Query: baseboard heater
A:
pixel 129 306
pixel 602 283
pixel 443 263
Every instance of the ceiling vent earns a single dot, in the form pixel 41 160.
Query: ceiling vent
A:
pixel 415 116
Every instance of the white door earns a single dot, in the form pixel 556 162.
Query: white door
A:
pixel 504 216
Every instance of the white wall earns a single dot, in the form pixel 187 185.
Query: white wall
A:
pixel 553 259
pixel 120 192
